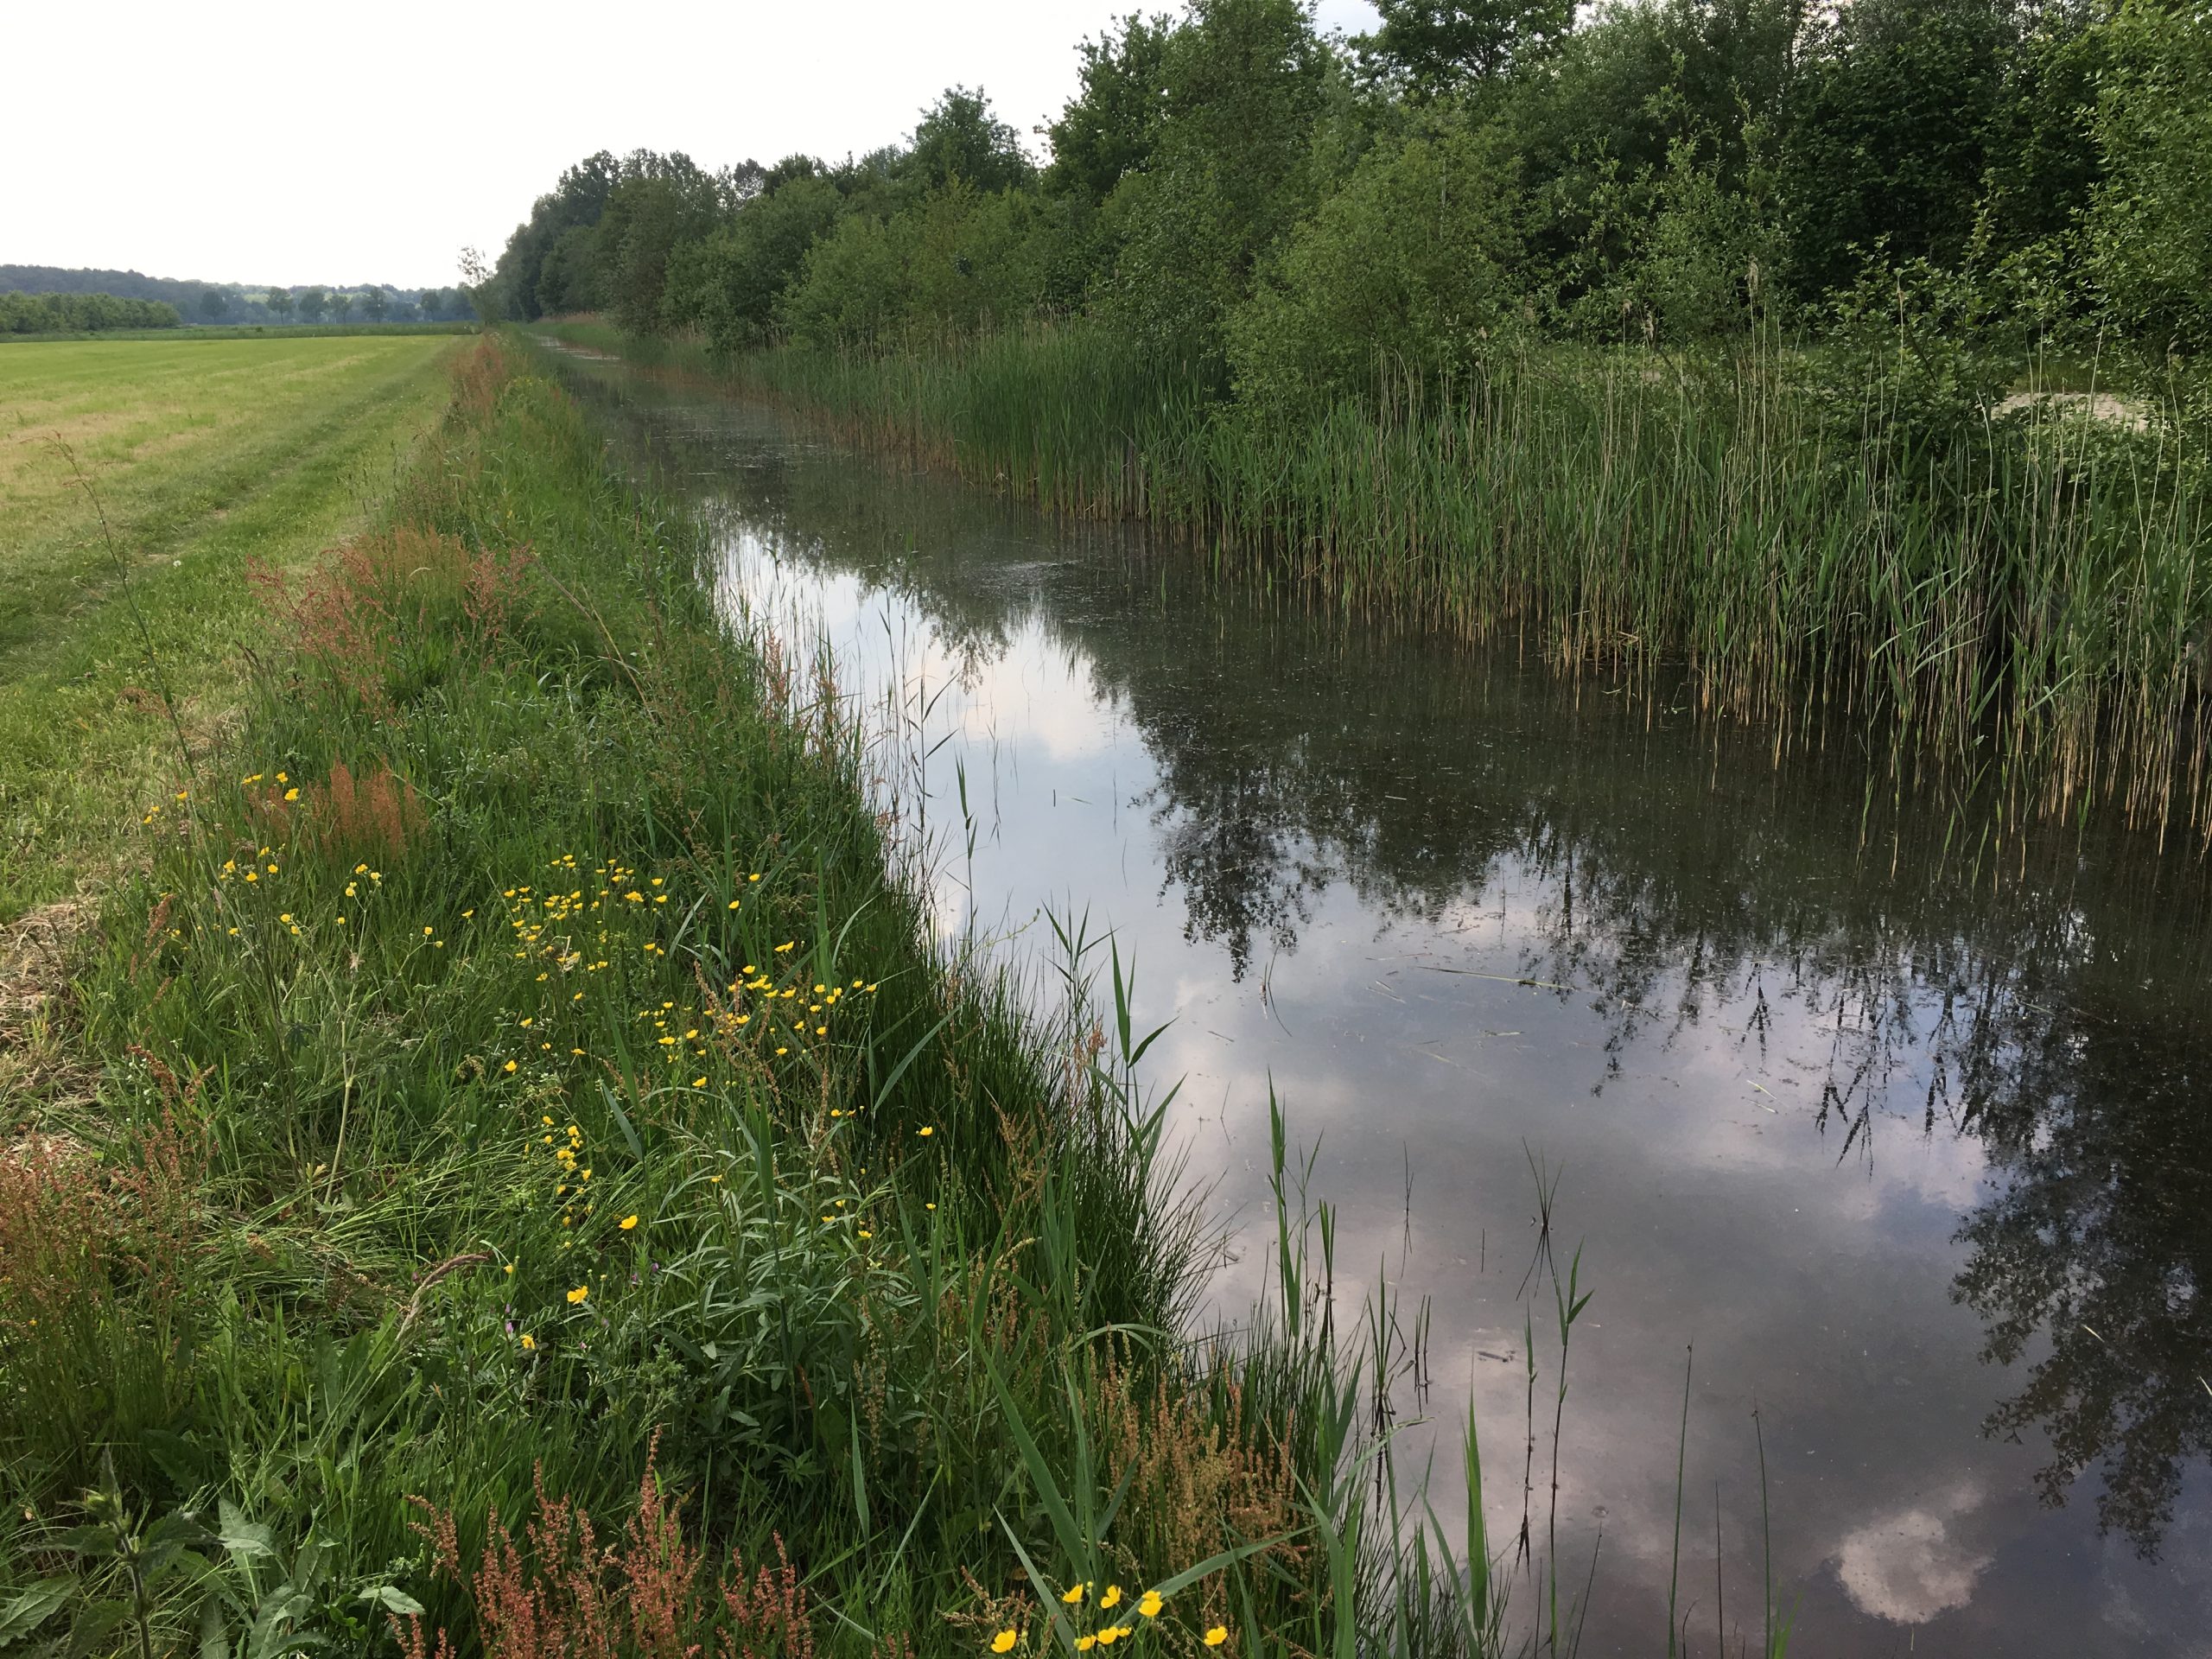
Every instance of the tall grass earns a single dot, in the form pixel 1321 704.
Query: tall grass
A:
pixel 1836 551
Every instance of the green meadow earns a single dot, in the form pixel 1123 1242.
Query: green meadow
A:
pixel 141 482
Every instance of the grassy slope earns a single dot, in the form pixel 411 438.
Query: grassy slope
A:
pixel 206 456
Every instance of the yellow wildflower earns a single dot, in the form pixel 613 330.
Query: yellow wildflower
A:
pixel 1217 1636
pixel 628 1222
pixel 1149 1604
pixel 578 1294
pixel 1004 1641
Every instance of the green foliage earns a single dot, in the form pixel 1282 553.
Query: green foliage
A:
pixel 1892 111
pixel 728 284
pixel 2151 225
pixel 1246 82
pixel 958 140
pixel 1408 268
pixel 1106 130
pixel 655 206
pixel 1435 45
pixel 87 314
pixel 956 262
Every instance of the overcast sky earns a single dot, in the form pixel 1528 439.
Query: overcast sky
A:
pixel 369 144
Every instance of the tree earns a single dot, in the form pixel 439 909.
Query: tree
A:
pixel 214 304
pixel 279 302
pixel 1409 266
pixel 959 138
pixel 1434 44
pixel 1246 83
pixel 728 284
pixel 576 201
pixel 376 305
pixel 957 262
pixel 312 303
pixel 341 305
pixel 2151 224
pixel 659 202
pixel 1887 142
pixel 1109 127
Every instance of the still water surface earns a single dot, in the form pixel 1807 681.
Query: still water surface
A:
pixel 1916 1152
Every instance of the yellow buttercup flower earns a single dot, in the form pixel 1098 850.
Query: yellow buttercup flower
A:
pixel 1085 1644
pixel 628 1222
pixel 1217 1636
pixel 529 1341
pixel 1073 1595
pixel 1113 1596
pixel 578 1294
pixel 1004 1641
pixel 1149 1604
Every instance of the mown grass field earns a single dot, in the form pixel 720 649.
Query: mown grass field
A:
pixel 206 456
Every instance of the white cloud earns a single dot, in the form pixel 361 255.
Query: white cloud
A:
pixel 1908 1566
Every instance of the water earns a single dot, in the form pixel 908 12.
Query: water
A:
pixel 1910 1141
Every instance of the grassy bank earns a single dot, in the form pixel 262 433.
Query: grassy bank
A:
pixel 518 1086
pixel 140 481
pixel 1855 547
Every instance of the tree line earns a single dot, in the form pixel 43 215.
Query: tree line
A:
pixel 375 303
pixel 1472 175
pixel 81 313
pixel 237 303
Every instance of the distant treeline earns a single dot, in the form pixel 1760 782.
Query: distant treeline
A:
pixel 77 314
pixel 201 303
pixel 1468 177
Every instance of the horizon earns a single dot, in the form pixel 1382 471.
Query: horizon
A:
pixel 443 176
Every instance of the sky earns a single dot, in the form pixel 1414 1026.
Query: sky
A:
pixel 340 145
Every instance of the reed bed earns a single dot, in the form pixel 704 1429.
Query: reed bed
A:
pixel 2021 600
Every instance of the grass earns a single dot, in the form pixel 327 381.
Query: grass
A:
pixel 1844 547
pixel 205 458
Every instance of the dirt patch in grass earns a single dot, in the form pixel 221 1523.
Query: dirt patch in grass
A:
pixel 36 1068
